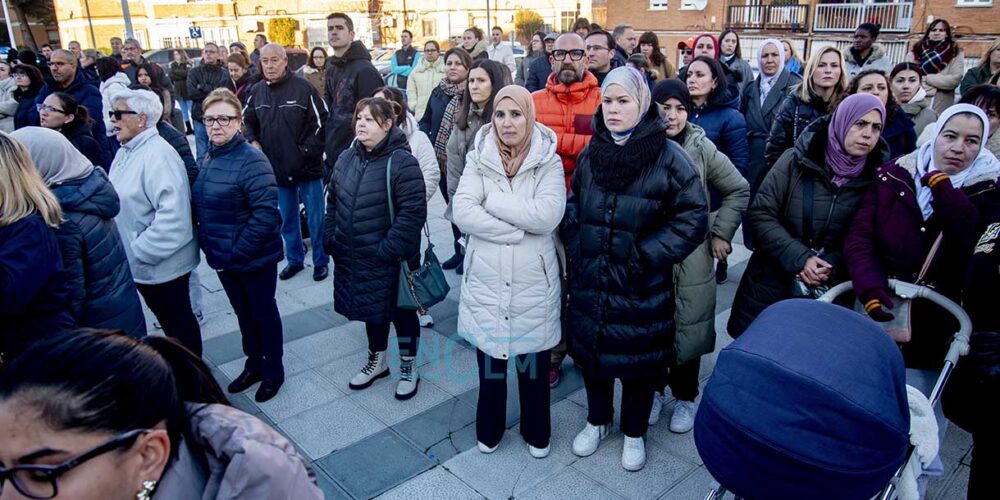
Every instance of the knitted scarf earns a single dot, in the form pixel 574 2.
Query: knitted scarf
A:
pixel 935 56
pixel 454 91
pixel 617 167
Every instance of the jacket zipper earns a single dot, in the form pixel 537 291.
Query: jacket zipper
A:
pixel 472 258
pixel 545 271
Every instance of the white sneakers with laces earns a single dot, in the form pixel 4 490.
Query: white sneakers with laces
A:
pixel 586 442
pixel 634 454
pixel 683 418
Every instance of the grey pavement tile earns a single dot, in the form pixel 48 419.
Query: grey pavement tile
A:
pixel 222 349
pixel 375 464
pixel 313 294
pixel 571 381
pixel 299 393
pixel 567 420
pixel 569 483
pixel 447 308
pixel 459 441
pixel 662 471
pixel 219 324
pixel 331 490
pixel 329 427
pixel 244 401
pixel 949 487
pixel 437 424
pixel 380 400
pixel 447 327
pixel 455 370
pixel 436 483
pixel 694 486
pixel 955 447
pixel 213 302
pixel 310 321
pixel 505 473
pixel 293 363
pixel 681 445
pixel 322 347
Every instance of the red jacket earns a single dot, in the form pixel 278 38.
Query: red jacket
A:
pixel 569 111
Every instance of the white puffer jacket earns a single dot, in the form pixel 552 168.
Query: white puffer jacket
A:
pixel 423 151
pixel 510 301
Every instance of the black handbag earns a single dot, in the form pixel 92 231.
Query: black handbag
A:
pixel 422 288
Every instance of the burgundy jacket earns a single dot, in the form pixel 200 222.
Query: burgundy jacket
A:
pixel 889 237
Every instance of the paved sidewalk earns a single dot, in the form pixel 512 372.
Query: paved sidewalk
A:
pixel 367 444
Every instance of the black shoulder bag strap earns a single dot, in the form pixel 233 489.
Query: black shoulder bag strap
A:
pixel 807 209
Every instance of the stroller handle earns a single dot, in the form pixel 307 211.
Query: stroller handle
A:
pixel 959 345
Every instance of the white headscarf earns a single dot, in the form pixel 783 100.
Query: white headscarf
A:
pixel 56 159
pixel 767 82
pixel 984 164
pixel 635 86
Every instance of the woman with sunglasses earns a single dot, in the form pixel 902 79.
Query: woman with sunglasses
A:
pixel 96 415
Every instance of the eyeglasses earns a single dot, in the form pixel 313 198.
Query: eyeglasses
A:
pixel 119 113
pixel 575 54
pixel 597 47
pixel 45 108
pixel 221 120
pixel 40 481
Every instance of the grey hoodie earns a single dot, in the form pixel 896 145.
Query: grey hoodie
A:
pixel 876 60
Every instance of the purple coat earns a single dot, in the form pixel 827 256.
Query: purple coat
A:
pixel 889 237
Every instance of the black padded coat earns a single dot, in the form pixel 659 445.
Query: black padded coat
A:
pixel 366 247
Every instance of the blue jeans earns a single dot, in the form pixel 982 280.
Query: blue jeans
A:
pixel 185 105
pixel 311 194
pixel 200 140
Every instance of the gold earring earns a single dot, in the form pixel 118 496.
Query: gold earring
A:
pixel 147 490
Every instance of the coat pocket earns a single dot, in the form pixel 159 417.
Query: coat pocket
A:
pixel 545 271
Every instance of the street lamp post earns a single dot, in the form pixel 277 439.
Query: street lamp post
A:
pixel 10 25
pixel 93 39
pixel 128 20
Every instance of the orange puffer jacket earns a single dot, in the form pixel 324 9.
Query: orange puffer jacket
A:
pixel 569 111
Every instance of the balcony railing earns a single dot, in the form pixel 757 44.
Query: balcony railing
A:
pixel 896 17
pixel 768 17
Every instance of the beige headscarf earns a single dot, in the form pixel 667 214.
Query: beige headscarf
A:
pixel 513 156
pixel 56 159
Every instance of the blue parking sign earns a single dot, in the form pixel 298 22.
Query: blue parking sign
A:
pixel 195 31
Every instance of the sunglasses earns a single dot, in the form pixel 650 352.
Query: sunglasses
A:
pixel 119 113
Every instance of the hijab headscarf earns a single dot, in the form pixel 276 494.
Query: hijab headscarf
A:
pixel 715 42
pixel 673 88
pixel 846 167
pixel 634 83
pixel 985 162
pixel 56 159
pixel 767 82
pixel 512 156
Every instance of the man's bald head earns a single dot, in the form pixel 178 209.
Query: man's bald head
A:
pixel 273 61
pixel 570 70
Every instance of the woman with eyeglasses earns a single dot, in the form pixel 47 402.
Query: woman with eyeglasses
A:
pixel 155 217
pixel 96 415
pixel 235 202
pixel 60 112
pixel 29 82
pixel 314 71
pixel 425 78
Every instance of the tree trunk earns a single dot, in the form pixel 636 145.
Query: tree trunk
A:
pixel 28 38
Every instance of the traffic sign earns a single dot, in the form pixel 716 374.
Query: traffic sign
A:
pixel 195 31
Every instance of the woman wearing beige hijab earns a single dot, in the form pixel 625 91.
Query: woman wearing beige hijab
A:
pixel 509 201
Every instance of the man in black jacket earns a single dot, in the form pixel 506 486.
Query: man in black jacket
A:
pixel 350 77
pixel 284 117
pixel 201 81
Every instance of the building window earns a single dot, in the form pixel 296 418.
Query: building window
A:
pixel 973 3
pixel 566 20
pixel 693 4
pixel 429 27
pixel 658 4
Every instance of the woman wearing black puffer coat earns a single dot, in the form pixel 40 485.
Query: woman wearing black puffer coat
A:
pixel 235 205
pixel 636 208
pixel 368 243
pixel 102 293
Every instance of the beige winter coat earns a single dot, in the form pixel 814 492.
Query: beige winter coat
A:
pixel 941 86
pixel 510 301
pixel 421 82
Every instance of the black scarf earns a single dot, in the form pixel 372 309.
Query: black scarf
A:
pixel 617 167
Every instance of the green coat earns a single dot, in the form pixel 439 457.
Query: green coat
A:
pixel 694 278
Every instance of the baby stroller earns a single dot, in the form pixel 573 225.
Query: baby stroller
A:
pixel 811 402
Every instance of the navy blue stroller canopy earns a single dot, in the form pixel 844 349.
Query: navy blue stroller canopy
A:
pixel 810 403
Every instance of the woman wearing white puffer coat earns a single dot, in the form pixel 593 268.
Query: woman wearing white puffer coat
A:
pixel 509 201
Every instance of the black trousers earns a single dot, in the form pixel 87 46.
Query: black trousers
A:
pixel 443 187
pixel 407 333
pixel 533 394
pixel 251 294
pixel 171 304
pixel 637 401
pixel 683 380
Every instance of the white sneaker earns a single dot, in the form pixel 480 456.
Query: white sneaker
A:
pixel 374 369
pixel 486 449
pixel 683 418
pixel 634 454
pixel 426 321
pixel 539 452
pixel 409 380
pixel 586 442
pixel 654 413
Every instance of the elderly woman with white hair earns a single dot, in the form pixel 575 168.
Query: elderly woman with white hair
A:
pixel 155 217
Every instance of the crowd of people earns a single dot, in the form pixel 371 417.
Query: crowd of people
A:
pixel 594 192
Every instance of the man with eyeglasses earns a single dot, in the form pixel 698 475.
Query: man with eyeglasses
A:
pixel 566 105
pixel 285 118
pixel 66 77
pixel 201 81
pixel 541 67
pixel 601 54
